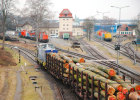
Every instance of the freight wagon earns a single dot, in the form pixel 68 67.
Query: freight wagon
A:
pixel 66 36
pixel 88 81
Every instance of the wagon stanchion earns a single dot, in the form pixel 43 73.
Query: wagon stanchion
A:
pixel 87 85
pixel 124 77
pixel 132 80
pixel 59 69
pixel 106 95
pixel 99 83
pixel 77 79
pixel 82 95
pixel 52 71
pixel 127 95
pixel 49 64
pixel 72 77
pixel 62 69
pixel 69 75
pixel 92 88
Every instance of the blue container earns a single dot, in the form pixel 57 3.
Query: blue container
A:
pixel 19 34
pixel 27 35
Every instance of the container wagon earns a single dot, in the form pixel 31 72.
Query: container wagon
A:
pixel 66 36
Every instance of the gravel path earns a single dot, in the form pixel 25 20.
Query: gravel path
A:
pixel 18 87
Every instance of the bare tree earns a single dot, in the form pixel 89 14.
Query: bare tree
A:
pixel 138 25
pixel 38 10
pixel 108 21
pixel 6 7
pixel 89 26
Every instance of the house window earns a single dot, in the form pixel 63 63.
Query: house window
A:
pixel 67 24
pixel 63 28
pixel 63 24
pixel 65 15
pixel 126 29
pixel 63 19
pixel 67 29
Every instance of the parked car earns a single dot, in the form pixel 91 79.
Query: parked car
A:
pixel 53 36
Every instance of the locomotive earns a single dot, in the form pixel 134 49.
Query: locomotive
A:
pixel 42 50
pixel 104 35
pixel 43 37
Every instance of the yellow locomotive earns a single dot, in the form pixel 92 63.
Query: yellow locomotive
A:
pixel 107 36
pixel 103 35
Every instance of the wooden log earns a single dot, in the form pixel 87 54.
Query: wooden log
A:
pixel 122 82
pixel 66 58
pixel 110 89
pixel 112 97
pixel 110 71
pixel 137 89
pixel 134 96
pixel 78 60
pixel 57 57
pixel 120 96
pixel 114 84
pixel 97 71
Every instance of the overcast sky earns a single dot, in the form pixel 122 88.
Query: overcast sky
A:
pixel 86 8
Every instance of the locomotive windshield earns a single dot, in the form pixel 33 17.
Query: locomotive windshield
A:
pixel 51 46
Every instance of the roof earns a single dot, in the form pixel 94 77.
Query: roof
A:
pixel 21 25
pixel 65 14
pixel 50 25
pixel 125 27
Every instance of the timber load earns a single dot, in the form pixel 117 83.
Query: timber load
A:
pixel 90 80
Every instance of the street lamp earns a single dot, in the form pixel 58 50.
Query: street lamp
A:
pixel 103 18
pixel 118 44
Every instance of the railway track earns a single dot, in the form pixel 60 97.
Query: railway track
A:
pixel 124 71
pixel 125 50
pixel 62 92
pixel 98 56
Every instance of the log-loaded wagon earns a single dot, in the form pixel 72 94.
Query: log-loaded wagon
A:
pixel 89 81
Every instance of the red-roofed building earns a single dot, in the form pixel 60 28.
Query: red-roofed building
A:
pixel 125 30
pixel 65 14
pixel 65 22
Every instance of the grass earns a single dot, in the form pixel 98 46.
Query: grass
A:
pixel 122 59
pixel 28 90
pixel 7 60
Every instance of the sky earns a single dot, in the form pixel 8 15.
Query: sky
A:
pixel 87 8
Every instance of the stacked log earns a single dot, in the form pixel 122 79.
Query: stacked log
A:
pixel 115 84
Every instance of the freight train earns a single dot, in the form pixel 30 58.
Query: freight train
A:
pixel 103 35
pixel 43 37
pixel 89 82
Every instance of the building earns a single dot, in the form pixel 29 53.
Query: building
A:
pixel 25 26
pixel 125 30
pixel 66 24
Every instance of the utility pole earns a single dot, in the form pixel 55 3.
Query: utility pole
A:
pixel 102 20
pixel 118 44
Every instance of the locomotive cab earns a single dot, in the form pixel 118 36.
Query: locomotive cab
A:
pixel 44 48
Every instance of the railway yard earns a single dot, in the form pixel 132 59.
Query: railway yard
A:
pixel 64 77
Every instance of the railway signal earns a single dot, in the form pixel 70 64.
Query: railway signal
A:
pixel 19 55
pixel 117 47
